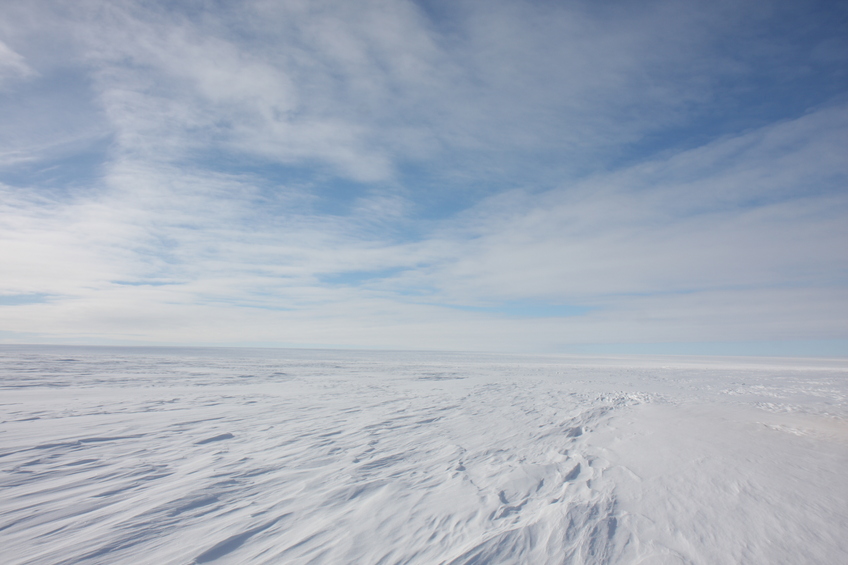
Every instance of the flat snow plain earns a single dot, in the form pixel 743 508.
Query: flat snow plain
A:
pixel 190 456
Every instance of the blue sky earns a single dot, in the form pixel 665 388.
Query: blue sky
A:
pixel 655 176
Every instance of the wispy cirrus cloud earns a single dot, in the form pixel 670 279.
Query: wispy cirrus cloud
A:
pixel 399 174
pixel 12 66
pixel 760 208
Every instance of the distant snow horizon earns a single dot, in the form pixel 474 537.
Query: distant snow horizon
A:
pixel 835 349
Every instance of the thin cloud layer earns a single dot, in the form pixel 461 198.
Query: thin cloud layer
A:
pixel 423 175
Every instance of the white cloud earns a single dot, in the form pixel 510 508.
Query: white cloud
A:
pixel 362 87
pixel 764 208
pixel 658 259
pixel 12 66
pixel 181 233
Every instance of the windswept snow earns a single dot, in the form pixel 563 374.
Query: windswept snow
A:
pixel 189 456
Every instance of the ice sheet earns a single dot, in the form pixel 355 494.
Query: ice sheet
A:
pixel 121 455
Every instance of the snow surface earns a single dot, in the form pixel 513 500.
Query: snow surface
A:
pixel 189 456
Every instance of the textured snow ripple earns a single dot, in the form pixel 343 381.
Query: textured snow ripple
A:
pixel 112 456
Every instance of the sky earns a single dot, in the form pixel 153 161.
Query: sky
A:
pixel 527 176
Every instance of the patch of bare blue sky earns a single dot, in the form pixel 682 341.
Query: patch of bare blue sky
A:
pixel 22 299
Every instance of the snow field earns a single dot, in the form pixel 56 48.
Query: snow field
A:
pixel 112 455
